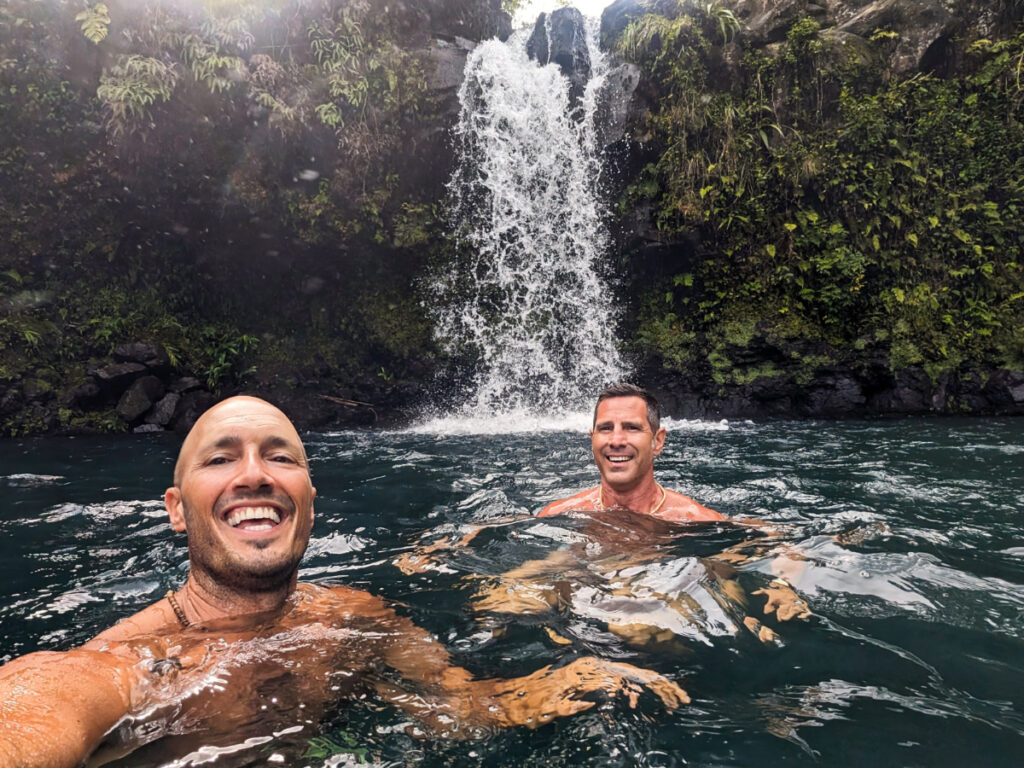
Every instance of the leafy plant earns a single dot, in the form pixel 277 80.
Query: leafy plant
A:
pixel 95 22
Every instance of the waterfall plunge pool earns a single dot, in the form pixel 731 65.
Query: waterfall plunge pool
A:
pixel 915 573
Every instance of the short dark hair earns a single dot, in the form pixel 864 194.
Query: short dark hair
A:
pixel 625 389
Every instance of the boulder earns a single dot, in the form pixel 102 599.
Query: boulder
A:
pixel 117 376
pixel 924 29
pixel 537 44
pixel 139 398
pixel 1005 392
pixel 37 391
pixel 190 407
pixel 162 413
pixel 182 384
pixel 145 353
pixel 83 395
pixel 620 14
pixel 769 22
pixel 563 40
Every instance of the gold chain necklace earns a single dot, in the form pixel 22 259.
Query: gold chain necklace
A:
pixel 664 495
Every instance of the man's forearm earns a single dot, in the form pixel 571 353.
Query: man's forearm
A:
pixel 56 707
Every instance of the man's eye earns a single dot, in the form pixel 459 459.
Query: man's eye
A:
pixel 283 459
pixel 217 460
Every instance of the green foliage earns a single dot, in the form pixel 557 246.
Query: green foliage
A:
pixel 131 87
pixel 225 178
pixel 726 20
pixel 95 22
pixel 843 203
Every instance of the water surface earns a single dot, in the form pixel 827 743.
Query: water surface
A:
pixel 915 570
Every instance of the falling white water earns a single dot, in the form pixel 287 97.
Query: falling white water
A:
pixel 539 320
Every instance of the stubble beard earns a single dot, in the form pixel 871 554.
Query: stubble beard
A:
pixel 225 570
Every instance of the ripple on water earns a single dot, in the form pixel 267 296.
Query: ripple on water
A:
pixel 28 480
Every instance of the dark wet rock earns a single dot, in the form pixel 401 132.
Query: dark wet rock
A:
pixel 190 407
pixel 471 19
pixel 146 428
pixel 145 353
pixel 1005 392
pixel 139 398
pixel 182 384
pixel 620 14
pixel 446 64
pixel 924 29
pixel 537 44
pixel 911 393
pixel 37 391
pixel 562 39
pixel 768 21
pixel 834 393
pixel 117 376
pixel 163 411
pixel 617 109
pixel 86 394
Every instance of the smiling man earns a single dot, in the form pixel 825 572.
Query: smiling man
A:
pixel 626 436
pixel 232 656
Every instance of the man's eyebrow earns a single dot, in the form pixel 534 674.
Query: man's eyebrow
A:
pixel 276 441
pixel 228 441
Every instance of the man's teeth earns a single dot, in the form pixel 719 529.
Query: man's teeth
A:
pixel 239 516
pixel 618 459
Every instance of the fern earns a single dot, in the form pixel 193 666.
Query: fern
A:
pixel 95 22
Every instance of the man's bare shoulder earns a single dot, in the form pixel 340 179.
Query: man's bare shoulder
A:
pixel 150 621
pixel 584 500
pixel 345 600
pixel 680 508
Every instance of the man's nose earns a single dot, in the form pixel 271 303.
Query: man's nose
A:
pixel 252 472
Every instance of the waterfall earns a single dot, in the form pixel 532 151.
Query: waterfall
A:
pixel 538 318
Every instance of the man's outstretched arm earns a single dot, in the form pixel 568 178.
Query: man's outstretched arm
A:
pixel 446 697
pixel 56 707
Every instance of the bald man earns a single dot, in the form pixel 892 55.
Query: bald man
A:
pixel 242 638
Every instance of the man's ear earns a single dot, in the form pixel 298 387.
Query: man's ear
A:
pixel 658 441
pixel 175 508
pixel 312 511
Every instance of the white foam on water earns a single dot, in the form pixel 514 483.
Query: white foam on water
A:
pixel 28 479
pixel 504 423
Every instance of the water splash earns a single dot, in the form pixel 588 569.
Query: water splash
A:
pixel 538 321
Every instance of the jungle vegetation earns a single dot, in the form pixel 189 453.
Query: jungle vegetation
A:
pixel 234 180
pixel 259 187
pixel 832 200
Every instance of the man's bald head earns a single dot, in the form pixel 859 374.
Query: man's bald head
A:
pixel 243 409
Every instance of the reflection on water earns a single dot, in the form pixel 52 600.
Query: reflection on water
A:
pixel 911 532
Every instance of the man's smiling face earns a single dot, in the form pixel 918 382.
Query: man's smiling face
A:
pixel 624 445
pixel 243 493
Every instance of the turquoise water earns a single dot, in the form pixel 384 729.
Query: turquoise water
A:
pixel 912 530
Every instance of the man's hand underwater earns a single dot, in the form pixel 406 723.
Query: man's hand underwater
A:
pixel 783 601
pixel 553 693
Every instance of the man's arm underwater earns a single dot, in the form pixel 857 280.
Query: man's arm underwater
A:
pixel 56 707
pixel 447 698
